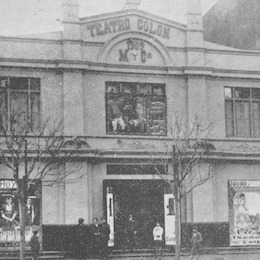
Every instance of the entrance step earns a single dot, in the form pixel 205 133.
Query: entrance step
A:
pixel 44 255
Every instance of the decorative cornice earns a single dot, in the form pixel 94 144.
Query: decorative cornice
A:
pixel 30 40
pixel 87 66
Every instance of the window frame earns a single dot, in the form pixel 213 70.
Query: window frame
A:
pixel 234 100
pixel 124 85
pixel 29 92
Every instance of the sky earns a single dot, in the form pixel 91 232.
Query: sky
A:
pixel 19 17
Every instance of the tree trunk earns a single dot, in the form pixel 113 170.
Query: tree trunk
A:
pixel 176 193
pixel 22 226
pixel 177 228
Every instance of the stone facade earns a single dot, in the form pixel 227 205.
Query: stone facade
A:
pixel 74 67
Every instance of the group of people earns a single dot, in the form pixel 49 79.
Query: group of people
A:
pixel 195 241
pixel 99 237
pixel 125 112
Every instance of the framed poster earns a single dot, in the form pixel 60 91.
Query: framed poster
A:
pixel 9 213
pixel 169 219
pixel 244 212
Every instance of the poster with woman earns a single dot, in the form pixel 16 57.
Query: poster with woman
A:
pixel 10 217
pixel 244 209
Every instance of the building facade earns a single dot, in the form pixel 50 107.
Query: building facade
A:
pixel 118 81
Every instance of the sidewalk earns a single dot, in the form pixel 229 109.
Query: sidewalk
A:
pixel 220 256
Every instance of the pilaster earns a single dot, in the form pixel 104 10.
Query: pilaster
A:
pixel 71 30
pixel 194 35
pixel 73 109
pixel 197 100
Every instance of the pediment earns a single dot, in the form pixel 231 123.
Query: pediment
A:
pixel 101 28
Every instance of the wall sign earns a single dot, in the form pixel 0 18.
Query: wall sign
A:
pixel 126 24
pixel 7 185
pixel 135 51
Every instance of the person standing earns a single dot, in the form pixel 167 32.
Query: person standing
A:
pixel 96 237
pixel 105 232
pixel 35 245
pixel 195 243
pixel 80 244
pixel 158 238
pixel 131 232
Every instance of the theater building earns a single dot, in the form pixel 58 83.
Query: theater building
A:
pixel 89 74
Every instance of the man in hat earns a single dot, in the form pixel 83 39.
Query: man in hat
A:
pixel 35 245
pixel 195 243
pixel 96 238
pixel 105 232
pixel 80 243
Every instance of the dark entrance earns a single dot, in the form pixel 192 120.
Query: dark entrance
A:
pixel 144 200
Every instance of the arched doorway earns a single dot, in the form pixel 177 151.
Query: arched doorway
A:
pixel 143 199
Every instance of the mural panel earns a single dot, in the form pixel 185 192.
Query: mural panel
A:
pixel 135 108
pixel 244 209
pixel 9 216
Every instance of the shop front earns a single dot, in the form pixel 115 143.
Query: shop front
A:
pixel 137 204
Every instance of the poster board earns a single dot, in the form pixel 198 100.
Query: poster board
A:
pixel 110 216
pixel 244 212
pixel 169 219
pixel 9 214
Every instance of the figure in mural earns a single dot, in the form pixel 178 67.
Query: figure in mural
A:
pixel 130 116
pixel 115 114
pixel 122 112
pixel 242 217
pixel 9 213
pixel 29 213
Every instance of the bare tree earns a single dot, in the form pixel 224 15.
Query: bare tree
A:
pixel 188 148
pixel 36 152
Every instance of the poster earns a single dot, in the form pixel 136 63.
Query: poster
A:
pixel 110 217
pixel 244 213
pixel 169 219
pixel 9 213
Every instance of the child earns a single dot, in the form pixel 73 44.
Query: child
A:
pixel 157 237
pixel 35 245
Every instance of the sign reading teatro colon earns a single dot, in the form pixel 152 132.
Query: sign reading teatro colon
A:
pixel 129 24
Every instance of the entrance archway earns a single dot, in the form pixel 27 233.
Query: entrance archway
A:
pixel 143 199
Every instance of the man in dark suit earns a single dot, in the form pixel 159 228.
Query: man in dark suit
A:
pixel 105 232
pixel 95 230
pixel 131 231
pixel 80 239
